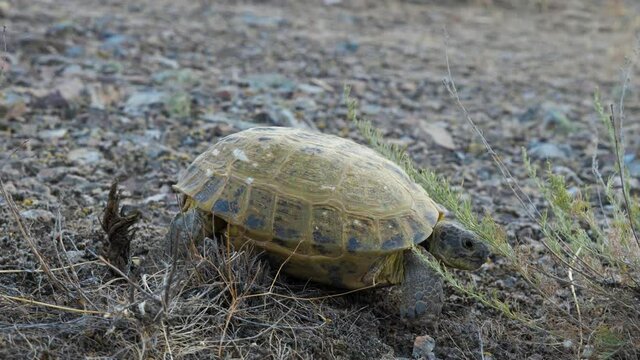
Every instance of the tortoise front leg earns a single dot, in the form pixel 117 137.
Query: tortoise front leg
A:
pixel 187 230
pixel 421 291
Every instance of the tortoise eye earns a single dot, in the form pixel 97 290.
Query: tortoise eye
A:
pixel 468 244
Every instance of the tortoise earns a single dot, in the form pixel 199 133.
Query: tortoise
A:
pixel 327 209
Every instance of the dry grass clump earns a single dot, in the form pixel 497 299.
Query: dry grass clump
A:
pixel 223 303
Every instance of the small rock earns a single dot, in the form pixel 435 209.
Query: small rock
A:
pixel 176 76
pixel 262 21
pixel 587 353
pixel 52 134
pixel 12 105
pixel 305 104
pixel 141 101
pixel 634 183
pixel 508 283
pixel 550 114
pixel 166 62
pixel 75 256
pixel 549 151
pixel 423 347
pixel 633 164
pixel 154 150
pixel 347 47
pixel 74 51
pixel 310 89
pixel 77 182
pixel 225 93
pixel 71 89
pixel 37 215
pixel 370 109
pixel 54 174
pixel 84 156
pixel 103 95
pixel 115 45
pixel 281 117
pixel 439 134
pixel 110 68
pixel 53 100
pixel 155 198
pixel 270 81
pixel 236 123
pixel 50 60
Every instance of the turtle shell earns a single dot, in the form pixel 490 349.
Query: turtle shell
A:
pixel 330 208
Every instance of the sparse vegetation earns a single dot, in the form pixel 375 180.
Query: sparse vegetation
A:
pixel 595 247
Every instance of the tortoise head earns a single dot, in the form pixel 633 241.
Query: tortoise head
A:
pixel 457 247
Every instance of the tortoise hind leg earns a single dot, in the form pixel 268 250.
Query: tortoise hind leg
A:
pixel 187 229
pixel 421 294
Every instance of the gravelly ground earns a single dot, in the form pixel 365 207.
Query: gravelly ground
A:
pixel 93 91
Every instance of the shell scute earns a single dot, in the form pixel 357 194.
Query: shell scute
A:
pixel 291 222
pixel 260 210
pixel 230 202
pixel 326 230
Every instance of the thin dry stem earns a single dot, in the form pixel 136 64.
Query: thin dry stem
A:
pixel 53 306
pixel 617 130
pixel 575 301
pixel 21 271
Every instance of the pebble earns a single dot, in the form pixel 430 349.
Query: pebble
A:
pixel 53 174
pixel 423 347
pixel 75 256
pixel 551 115
pixel 370 109
pixel 276 116
pixel 262 21
pixel 75 51
pixel 76 182
pixel 305 103
pixel 236 123
pixel 270 81
pixel 633 164
pixel 115 45
pixel 37 215
pixel 507 283
pixel 154 150
pixel 587 353
pixel 225 93
pixel 347 47
pixel 50 60
pixel 52 134
pixel 141 101
pixel 155 198
pixel 549 151
pixel 310 89
pixel 84 156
